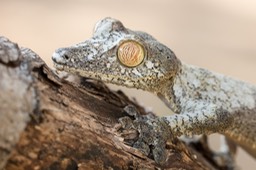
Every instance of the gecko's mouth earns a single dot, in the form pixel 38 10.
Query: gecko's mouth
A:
pixel 58 66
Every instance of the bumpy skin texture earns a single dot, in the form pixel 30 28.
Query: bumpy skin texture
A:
pixel 205 102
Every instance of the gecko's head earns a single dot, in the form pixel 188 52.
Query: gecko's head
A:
pixel 120 56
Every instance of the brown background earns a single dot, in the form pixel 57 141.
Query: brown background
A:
pixel 216 34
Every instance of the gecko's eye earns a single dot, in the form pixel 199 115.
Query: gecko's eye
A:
pixel 130 53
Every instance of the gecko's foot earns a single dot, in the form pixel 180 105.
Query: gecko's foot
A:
pixel 145 132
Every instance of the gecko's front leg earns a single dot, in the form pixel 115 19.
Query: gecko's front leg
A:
pixel 154 132
pixel 207 120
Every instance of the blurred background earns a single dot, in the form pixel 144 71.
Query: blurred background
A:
pixel 216 34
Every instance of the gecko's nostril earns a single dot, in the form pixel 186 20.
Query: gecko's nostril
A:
pixel 66 56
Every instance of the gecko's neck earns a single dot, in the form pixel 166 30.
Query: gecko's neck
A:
pixel 193 84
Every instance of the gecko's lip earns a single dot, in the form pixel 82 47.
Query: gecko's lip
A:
pixel 58 66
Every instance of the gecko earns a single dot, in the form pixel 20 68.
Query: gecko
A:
pixel 205 102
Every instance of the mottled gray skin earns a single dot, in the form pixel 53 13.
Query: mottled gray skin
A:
pixel 205 102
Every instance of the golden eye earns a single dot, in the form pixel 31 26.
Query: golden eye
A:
pixel 130 53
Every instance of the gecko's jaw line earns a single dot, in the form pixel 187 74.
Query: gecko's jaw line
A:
pixel 59 67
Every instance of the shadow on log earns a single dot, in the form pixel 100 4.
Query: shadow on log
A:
pixel 50 123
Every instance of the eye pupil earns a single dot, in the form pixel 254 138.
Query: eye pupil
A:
pixel 130 53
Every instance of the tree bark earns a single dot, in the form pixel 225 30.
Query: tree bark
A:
pixel 47 122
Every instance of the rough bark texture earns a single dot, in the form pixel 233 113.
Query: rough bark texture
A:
pixel 50 123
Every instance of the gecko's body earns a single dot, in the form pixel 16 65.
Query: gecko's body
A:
pixel 205 102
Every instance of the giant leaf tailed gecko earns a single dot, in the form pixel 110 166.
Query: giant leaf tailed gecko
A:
pixel 205 102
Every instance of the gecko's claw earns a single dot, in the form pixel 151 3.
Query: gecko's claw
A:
pixel 152 134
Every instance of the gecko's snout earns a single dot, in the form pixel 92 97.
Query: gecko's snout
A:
pixel 60 58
